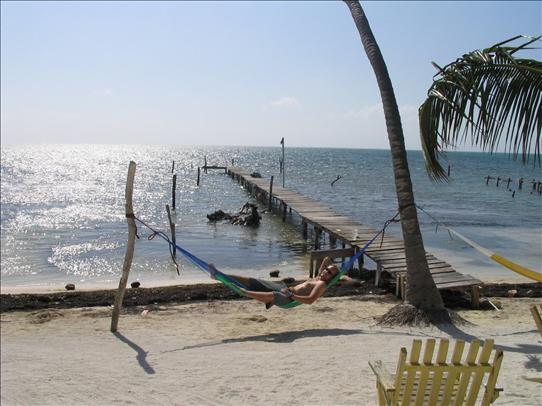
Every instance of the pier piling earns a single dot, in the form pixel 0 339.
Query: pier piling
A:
pixel 271 193
pixel 173 189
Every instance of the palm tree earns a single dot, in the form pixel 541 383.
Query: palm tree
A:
pixel 485 94
pixel 422 299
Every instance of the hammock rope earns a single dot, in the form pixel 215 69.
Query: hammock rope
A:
pixel 528 273
pixel 234 284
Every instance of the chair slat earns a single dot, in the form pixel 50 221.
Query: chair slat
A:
pixel 458 352
pixel 476 383
pixel 429 350
pixel 478 376
pixel 423 379
pixel 399 375
pixel 415 351
pixel 536 316
pixel 442 351
pixel 425 372
pixel 436 389
pixel 409 387
pixel 491 393
pixel 451 382
pixel 486 351
pixel 473 352
pixel 464 380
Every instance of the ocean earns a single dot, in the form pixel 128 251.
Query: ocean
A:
pixel 62 210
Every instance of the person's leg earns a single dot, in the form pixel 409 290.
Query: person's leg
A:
pixel 265 297
pixel 250 284
pixel 213 271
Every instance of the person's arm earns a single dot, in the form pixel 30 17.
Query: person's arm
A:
pixel 316 292
pixel 325 263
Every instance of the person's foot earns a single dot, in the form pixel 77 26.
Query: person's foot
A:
pixel 212 271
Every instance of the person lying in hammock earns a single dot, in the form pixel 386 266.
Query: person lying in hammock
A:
pixel 277 293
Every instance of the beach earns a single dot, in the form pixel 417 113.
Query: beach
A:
pixel 234 352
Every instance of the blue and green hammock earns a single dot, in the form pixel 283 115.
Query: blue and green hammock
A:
pixel 235 285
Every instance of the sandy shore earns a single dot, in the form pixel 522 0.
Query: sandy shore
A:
pixel 237 353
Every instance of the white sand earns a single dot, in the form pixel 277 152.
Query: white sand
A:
pixel 237 353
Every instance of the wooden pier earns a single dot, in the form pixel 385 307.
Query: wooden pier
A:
pixel 389 256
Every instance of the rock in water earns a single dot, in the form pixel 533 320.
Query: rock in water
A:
pixel 70 286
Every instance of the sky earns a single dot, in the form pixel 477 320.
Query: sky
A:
pixel 230 73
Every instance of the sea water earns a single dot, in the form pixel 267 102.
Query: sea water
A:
pixel 63 214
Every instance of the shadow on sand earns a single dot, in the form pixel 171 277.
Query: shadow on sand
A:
pixel 285 337
pixel 141 353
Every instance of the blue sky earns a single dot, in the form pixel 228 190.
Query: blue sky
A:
pixel 229 73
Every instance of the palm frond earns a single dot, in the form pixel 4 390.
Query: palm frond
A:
pixel 485 95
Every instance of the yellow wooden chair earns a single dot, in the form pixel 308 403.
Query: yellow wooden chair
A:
pixel 438 382
pixel 536 316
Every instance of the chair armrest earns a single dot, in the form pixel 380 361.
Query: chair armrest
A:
pixel 382 375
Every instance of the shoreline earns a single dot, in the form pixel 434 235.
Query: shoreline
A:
pixel 209 290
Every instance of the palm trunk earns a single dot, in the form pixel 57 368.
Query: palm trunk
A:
pixel 421 291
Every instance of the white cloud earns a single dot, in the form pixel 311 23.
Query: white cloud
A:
pixel 287 102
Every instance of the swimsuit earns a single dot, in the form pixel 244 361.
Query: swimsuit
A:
pixel 260 285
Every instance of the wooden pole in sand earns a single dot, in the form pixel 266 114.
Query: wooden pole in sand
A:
pixel 129 248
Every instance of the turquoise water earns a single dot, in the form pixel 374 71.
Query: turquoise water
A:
pixel 62 210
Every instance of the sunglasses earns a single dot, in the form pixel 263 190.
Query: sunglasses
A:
pixel 331 269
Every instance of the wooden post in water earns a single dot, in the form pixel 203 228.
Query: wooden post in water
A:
pixel 173 187
pixel 172 229
pixel 197 182
pixel 305 229
pixel 283 163
pixel 205 166
pixel 173 167
pixel 317 235
pixel 271 193
pixel 284 207
pixel 129 248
